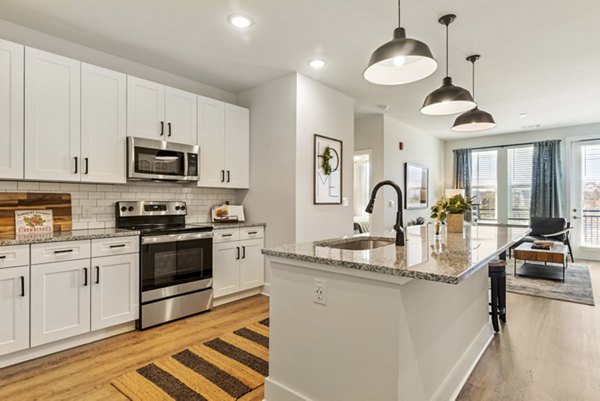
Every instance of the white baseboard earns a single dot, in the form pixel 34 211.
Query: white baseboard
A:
pixel 275 391
pixel 266 289
pixel 61 345
pixel 237 296
pixel 459 375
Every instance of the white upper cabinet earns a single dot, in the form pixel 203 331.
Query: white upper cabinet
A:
pixel 11 110
pixel 224 139
pixel 237 146
pixel 180 116
pixel 103 125
pixel 156 111
pixel 145 109
pixel 52 116
pixel 211 139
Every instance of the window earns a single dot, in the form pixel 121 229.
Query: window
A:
pixel 519 183
pixel 590 187
pixel 484 184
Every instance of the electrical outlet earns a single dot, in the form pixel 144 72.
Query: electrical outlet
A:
pixel 320 292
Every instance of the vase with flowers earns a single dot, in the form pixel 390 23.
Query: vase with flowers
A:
pixel 452 210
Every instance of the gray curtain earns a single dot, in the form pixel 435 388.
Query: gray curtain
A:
pixel 462 170
pixel 546 180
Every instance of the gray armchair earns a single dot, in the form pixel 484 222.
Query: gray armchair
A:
pixel 548 228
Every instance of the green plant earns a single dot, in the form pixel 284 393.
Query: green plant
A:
pixel 456 204
pixel 325 157
pixel 438 211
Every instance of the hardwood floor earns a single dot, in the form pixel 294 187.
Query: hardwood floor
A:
pixel 84 373
pixel 548 350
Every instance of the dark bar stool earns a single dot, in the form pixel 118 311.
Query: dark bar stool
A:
pixel 497 274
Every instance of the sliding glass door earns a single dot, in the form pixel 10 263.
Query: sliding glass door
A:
pixel 584 212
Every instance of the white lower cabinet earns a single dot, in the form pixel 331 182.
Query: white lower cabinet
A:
pixel 60 300
pixel 14 309
pixel 238 265
pixel 115 292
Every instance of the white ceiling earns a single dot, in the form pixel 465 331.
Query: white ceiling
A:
pixel 541 57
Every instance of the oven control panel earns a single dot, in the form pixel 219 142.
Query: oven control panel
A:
pixel 151 208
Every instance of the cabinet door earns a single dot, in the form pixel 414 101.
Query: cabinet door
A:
pixel 115 290
pixel 14 309
pixel 226 268
pixel 52 116
pixel 237 146
pixel 103 124
pixel 211 139
pixel 11 109
pixel 252 265
pixel 145 109
pixel 180 116
pixel 60 300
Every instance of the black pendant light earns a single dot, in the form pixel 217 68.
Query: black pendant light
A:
pixel 473 120
pixel 448 99
pixel 400 61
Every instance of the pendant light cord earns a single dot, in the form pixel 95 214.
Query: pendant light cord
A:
pixel 473 80
pixel 447 49
pixel 399 14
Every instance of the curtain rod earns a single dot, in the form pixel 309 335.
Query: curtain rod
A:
pixel 506 146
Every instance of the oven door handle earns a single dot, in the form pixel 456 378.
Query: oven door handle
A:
pixel 157 239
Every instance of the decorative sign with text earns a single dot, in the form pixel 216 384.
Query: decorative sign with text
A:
pixel 33 223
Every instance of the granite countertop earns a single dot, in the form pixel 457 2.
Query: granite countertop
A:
pixel 242 224
pixel 75 235
pixel 448 259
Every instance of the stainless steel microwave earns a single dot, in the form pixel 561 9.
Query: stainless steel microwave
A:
pixel 153 160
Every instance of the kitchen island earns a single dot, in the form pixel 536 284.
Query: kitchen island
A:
pixel 388 323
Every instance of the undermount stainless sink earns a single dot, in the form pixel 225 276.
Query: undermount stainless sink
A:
pixel 361 244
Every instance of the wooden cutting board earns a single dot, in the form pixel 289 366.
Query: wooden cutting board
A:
pixel 60 204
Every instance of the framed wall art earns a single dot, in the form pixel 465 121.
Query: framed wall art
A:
pixel 416 186
pixel 327 171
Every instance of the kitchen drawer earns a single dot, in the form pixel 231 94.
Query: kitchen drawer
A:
pixel 12 256
pixel 252 232
pixel 60 251
pixel 115 246
pixel 226 235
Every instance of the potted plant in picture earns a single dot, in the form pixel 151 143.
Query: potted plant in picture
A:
pixel 438 212
pixel 456 207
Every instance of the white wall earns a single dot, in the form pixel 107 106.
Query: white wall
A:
pixel 29 37
pixel 383 134
pixel 324 111
pixel 368 135
pixel 272 194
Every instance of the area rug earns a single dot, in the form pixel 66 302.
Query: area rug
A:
pixel 576 288
pixel 222 369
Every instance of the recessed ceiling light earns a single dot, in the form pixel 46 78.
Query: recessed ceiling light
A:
pixel 522 115
pixel 316 64
pixel 240 21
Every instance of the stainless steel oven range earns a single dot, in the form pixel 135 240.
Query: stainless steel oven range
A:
pixel 175 260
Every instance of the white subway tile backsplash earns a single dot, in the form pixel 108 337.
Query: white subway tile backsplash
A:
pixel 93 204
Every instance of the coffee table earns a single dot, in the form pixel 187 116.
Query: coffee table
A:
pixel 558 253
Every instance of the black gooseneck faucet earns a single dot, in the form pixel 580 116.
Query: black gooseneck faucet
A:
pixel 399 225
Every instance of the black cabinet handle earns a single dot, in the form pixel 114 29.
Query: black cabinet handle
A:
pixel 87 165
pixel 169 124
pixel 222 175
pixel 237 252
pixel 228 176
pixel 252 232
pixel 162 128
pixel 76 164
pixel 97 274
pixel 64 251
pixel 227 235
pixel 85 271
pixel 22 286
pixel 243 252
pixel 2 256
pixel 117 246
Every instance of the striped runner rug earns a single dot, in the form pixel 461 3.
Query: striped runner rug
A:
pixel 225 368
